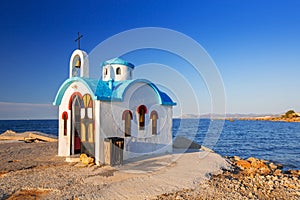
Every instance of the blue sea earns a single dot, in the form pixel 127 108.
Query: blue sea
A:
pixel 275 141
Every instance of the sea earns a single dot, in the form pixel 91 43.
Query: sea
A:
pixel 278 142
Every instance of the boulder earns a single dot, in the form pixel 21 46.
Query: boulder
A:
pixel 181 142
pixel 82 156
pixel 253 166
pixel 243 164
pixel 87 160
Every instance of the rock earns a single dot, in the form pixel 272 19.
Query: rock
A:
pixel 243 164
pixel 277 172
pixel 236 158
pixel 184 143
pixel 259 166
pixel 28 137
pixel 87 160
pixel 252 160
pixel 243 188
pixel 272 166
pixel 250 195
pixel 83 156
pixel 279 166
pixel 294 172
pixel 264 170
pixel 270 183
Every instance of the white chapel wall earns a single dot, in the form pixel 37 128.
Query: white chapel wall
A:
pixel 109 72
pixel 64 141
pixel 113 125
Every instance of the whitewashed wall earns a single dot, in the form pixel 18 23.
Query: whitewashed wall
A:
pixel 141 142
pixel 126 72
pixel 64 142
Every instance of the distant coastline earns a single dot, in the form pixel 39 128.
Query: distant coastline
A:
pixel 289 116
pixel 268 118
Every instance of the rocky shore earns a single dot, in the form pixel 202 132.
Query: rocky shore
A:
pixel 248 179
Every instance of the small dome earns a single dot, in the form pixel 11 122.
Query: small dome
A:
pixel 117 61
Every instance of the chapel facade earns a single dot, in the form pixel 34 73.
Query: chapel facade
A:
pixel 96 116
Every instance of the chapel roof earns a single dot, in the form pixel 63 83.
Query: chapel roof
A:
pixel 100 90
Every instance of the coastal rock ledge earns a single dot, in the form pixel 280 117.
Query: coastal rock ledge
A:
pixel 28 136
pixel 248 179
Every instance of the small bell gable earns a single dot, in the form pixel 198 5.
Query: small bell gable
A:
pixel 79 64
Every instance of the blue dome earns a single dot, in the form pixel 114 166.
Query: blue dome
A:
pixel 117 61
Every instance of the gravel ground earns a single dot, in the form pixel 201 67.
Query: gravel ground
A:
pixel 33 171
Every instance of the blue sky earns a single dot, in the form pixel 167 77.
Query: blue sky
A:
pixel 255 45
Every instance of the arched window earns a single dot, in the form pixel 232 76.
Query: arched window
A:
pixel 118 71
pixel 154 117
pixel 127 116
pixel 142 110
pixel 105 71
pixel 87 122
pixel 65 119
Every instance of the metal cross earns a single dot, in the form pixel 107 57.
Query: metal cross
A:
pixel 78 39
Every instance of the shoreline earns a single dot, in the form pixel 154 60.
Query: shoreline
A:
pixel 273 119
pixel 24 167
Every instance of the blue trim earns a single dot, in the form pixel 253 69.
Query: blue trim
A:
pixel 122 86
pixel 67 83
pixel 117 61
pixel 100 90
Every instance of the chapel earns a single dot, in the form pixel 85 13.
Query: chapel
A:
pixel 113 118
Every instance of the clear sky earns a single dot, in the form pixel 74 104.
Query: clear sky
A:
pixel 254 43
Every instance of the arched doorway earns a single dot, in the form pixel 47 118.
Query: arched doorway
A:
pixel 76 125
